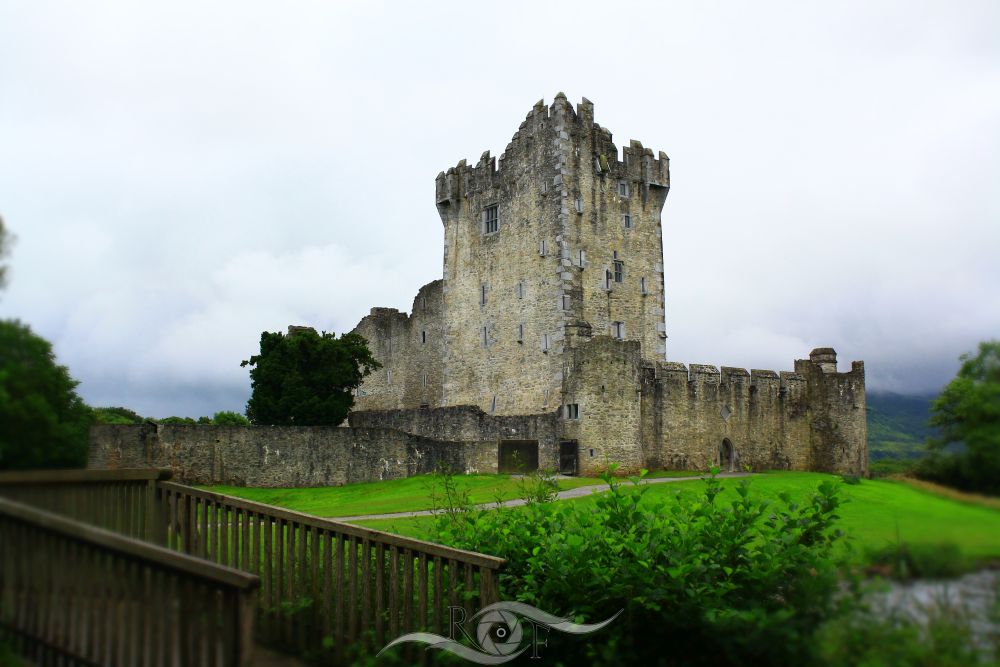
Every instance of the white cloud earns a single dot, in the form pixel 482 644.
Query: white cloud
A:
pixel 183 176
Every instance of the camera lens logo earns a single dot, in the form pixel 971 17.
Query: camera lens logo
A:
pixel 499 632
pixel 500 635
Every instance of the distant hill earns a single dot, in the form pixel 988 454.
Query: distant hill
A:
pixel 897 425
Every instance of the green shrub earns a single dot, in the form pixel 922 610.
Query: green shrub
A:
pixel 904 560
pixel 700 581
pixel 851 479
pixel 868 640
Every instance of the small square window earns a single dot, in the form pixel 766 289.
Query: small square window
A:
pixel 491 219
pixel 571 411
pixel 627 221
pixel 623 188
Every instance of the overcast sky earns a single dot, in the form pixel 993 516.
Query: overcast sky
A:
pixel 184 175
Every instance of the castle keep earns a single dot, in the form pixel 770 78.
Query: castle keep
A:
pixel 549 318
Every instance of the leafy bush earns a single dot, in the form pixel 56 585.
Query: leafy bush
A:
pixel 903 560
pixel 865 639
pixel 851 479
pixel 701 579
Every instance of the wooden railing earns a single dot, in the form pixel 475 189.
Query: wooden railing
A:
pixel 325 585
pixel 324 582
pixel 71 593
pixel 122 501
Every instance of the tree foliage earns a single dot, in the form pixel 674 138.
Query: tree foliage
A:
pixel 5 241
pixel 966 454
pixel 43 422
pixel 117 415
pixel 229 418
pixel 305 378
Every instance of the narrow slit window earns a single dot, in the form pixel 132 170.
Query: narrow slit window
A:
pixel 564 301
pixel 388 377
pixel 627 221
pixel 482 294
pixel 423 337
pixel 485 336
pixel 520 290
pixel 542 248
pixel 545 342
pixel 520 333
pixel 608 277
pixel 581 258
pixel 618 330
pixel 423 380
pixel 493 405
pixel 642 286
pixel 579 205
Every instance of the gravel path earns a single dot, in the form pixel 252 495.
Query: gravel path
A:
pixel 578 492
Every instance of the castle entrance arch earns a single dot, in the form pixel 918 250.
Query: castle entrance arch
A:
pixel 727 456
pixel 518 456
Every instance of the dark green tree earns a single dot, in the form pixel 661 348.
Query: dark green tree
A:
pixel 43 423
pixel 305 378
pixel 966 454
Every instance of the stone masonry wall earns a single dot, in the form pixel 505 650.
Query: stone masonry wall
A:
pixel 468 423
pixel 281 456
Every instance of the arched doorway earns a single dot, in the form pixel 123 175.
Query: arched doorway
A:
pixel 727 456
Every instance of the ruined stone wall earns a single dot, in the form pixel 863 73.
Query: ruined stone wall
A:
pixel 839 428
pixel 411 351
pixel 468 423
pixel 603 378
pixel 281 456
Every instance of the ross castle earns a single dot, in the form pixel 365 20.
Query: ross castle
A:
pixel 549 322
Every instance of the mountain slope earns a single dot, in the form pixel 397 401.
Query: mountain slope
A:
pixel 897 425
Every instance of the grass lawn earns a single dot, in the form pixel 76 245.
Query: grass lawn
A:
pixel 877 512
pixel 398 495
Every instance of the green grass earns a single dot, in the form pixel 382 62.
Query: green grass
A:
pixel 398 495
pixel 877 512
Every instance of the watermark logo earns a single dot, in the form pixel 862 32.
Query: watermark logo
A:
pixel 500 632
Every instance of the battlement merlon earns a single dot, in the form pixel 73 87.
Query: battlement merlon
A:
pixel 638 164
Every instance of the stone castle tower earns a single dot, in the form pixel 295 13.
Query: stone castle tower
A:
pixel 552 304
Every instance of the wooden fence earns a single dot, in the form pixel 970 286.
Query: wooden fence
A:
pixel 326 586
pixel 326 583
pixel 71 593
pixel 122 501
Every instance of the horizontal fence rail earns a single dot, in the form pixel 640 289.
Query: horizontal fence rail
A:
pixel 325 584
pixel 123 501
pixel 72 593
